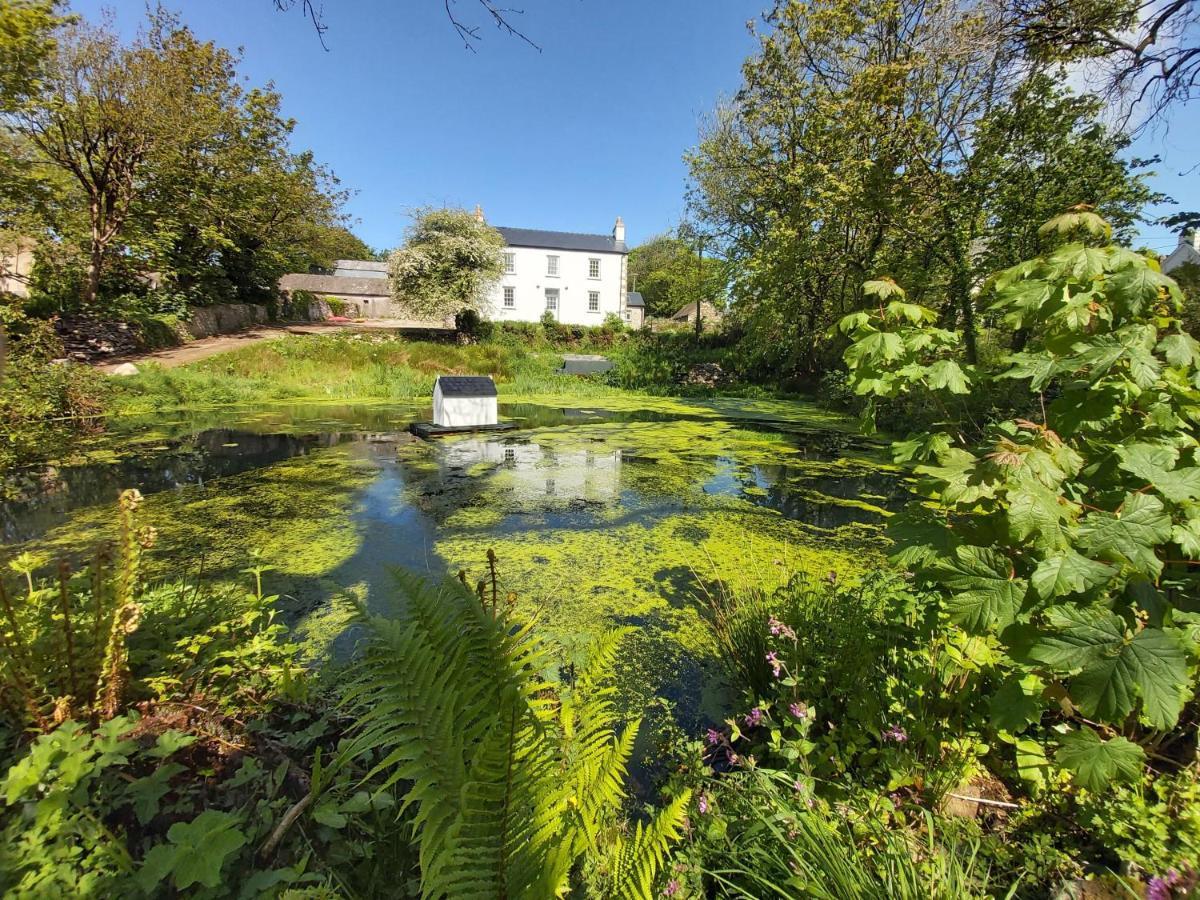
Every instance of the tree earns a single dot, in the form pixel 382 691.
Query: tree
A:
pixel 667 273
pixel 449 262
pixel 912 138
pixel 1143 54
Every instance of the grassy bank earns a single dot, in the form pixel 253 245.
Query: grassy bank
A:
pixel 346 367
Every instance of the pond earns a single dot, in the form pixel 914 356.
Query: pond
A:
pixel 627 511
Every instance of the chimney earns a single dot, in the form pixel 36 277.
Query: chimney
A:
pixel 478 213
pixel 619 231
pixel 1196 240
pixel 1190 239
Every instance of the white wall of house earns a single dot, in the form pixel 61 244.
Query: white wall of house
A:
pixel 524 293
pixel 1188 251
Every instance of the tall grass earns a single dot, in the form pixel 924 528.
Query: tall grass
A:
pixel 344 367
pixel 778 845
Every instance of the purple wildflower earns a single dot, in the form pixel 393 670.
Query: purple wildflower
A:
pixel 753 718
pixel 776 664
pixel 1162 887
pixel 702 805
pixel 798 710
pixel 713 737
pixel 777 628
pixel 672 888
pixel 895 733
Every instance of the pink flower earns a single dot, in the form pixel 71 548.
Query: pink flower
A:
pixel 799 710
pixel 895 733
pixel 776 665
pixel 777 628
pixel 713 737
pixel 702 805
pixel 753 718
pixel 672 888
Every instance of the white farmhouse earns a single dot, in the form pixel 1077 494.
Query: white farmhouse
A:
pixel 1188 251
pixel 464 401
pixel 577 278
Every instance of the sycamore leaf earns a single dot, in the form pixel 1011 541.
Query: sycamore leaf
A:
pixel 1036 510
pixel 1095 763
pixel 1131 536
pixel 1155 464
pixel 1187 534
pixel 1024 301
pixel 1113 667
pixel 921 535
pixel 962 479
pixel 945 374
pixel 170 741
pixel 1067 222
pixel 929 445
pixel 913 312
pixel 1139 287
pixel 1039 368
pixel 883 288
pixel 853 322
pixel 1068 572
pixel 985 595
pixel 1079 262
pixel 881 346
pixel 1181 349
pixel 1017 704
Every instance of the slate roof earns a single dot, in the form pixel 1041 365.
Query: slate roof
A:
pixel 467 385
pixel 562 240
pixel 633 298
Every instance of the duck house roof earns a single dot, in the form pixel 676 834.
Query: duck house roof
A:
pixel 467 386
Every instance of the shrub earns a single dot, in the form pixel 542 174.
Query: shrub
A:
pixel 45 404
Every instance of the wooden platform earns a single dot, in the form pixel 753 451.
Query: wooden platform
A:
pixel 429 430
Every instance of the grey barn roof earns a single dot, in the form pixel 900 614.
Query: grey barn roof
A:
pixel 633 298
pixel 562 240
pixel 467 385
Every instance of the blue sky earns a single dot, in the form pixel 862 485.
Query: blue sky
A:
pixel 593 126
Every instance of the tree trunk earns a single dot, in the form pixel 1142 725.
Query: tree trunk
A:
pixel 91 285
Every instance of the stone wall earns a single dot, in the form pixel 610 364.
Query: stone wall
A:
pixel 224 318
pixel 362 298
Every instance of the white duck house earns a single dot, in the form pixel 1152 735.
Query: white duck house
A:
pixel 464 401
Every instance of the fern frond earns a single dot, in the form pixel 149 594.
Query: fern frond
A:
pixel 638 859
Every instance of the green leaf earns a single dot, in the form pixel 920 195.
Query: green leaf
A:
pixel 1113 667
pixel 1130 536
pixel 1187 533
pixel 145 793
pixel 327 814
pixel 1155 464
pixel 984 593
pixel 195 853
pixel 1079 262
pixel 1035 510
pixel 882 288
pixel 1069 572
pixel 1032 764
pixel 1138 287
pixel 1181 350
pixel 946 375
pixel 1017 704
pixel 963 480
pixel 913 312
pixel 170 741
pixel 1039 368
pixel 1095 763
pixel 880 347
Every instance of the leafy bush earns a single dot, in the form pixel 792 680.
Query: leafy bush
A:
pixel 44 405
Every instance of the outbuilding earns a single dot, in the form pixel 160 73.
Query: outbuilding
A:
pixel 464 401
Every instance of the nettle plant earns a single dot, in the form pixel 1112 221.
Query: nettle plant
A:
pixel 1064 544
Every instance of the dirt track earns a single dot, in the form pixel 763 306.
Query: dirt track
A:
pixel 203 348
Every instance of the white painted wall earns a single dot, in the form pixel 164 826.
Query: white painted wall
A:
pixel 460 412
pixel 530 281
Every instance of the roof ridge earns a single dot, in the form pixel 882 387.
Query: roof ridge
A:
pixel 599 234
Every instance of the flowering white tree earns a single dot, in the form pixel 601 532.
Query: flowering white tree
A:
pixel 449 262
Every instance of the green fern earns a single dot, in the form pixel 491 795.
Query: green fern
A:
pixel 513 780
